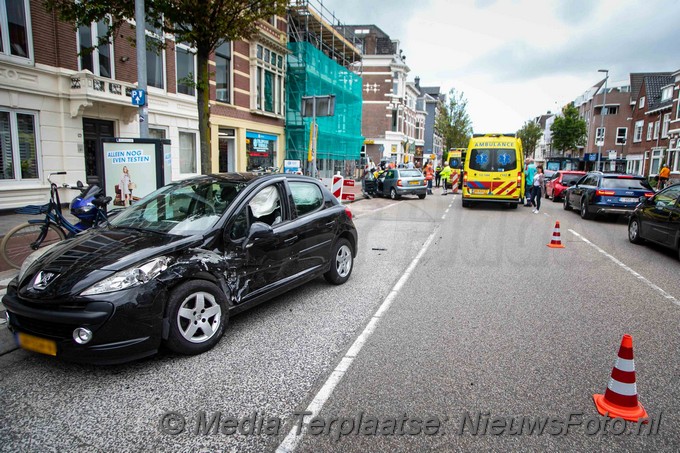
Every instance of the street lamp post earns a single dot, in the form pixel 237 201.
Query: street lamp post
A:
pixel 604 103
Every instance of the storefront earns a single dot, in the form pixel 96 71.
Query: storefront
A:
pixel 260 151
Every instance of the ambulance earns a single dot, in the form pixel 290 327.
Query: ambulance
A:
pixel 493 170
pixel 456 160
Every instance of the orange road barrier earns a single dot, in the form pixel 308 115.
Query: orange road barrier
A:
pixel 621 399
pixel 556 242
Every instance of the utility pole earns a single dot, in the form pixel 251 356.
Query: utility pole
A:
pixel 140 21
pixel 604 104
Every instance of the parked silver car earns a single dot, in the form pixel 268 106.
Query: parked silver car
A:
pixel 402 181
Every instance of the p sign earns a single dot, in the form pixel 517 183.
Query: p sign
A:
pixel 138 97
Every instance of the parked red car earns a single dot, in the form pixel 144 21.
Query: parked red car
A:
pixel 559 182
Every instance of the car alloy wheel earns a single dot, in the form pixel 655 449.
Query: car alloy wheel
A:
pixel 342 263
pixel 198 314
pixel 393 193
pixel 634 231
pixel 584 209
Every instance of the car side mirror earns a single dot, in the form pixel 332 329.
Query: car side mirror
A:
pixel 258 231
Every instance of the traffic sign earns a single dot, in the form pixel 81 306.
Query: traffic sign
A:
pixel 138 97
pixel 348 196
pixel 348 183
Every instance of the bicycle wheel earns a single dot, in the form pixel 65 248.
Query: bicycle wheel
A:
pixel 18 243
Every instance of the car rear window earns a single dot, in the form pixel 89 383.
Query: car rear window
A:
pixel 484 159
pixel 566 179
pixel 624 183
pixel 410 174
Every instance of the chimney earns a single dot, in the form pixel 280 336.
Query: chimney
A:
pixel 417 79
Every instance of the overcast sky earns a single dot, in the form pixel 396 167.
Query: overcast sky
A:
pixel 516 59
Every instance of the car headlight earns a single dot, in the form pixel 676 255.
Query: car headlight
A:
pixel 30 259
pixel 129 278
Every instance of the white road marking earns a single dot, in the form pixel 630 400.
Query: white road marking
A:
pixel 292 439
pixel 546 214
pixel 628 269
pixel 374 211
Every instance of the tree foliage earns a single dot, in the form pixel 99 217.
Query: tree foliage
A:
pixel 530 134
pixel 568 130
pixel 453 122
pixel 203 24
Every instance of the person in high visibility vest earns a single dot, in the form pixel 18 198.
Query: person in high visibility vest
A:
pixel 429 176
pixel 445 175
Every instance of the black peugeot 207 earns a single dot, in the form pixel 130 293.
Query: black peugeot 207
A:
pixel 174 266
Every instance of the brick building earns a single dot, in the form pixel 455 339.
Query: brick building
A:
pixel 56 103
pixel 673 159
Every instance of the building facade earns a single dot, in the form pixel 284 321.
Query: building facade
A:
pixel 433 100
pixel 58 101
pixel 673 159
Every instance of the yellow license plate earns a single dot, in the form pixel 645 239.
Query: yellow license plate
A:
pixel 36 344
pixel 480 191
pixel 414 183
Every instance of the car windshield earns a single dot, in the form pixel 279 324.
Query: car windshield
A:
pixel 484 159
pixel 410 173
pixel 184 208
pixel 625 183
pixel 567 178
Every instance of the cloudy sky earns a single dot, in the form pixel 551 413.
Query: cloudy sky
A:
pixel 516 59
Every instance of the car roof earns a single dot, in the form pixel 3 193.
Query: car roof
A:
pixel 572 172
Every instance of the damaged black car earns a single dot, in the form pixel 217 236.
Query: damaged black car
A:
pixel 172 268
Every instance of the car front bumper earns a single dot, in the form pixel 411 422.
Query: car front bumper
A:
pixel 126 325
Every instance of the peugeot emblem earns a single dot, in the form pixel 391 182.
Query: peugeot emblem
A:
pixel 43 279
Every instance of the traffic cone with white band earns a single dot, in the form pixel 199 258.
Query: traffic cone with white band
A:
pixel 556 242
pixel 620 399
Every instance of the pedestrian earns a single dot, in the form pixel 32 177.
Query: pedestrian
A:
pixel 529 173
pixel 410 164
pixel 437 176
pixel 445 175
pixel 537 184
pixel 664 174
pixel 429 176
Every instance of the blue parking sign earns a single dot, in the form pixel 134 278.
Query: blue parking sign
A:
pixel 138 97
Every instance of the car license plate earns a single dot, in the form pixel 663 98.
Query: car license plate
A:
pixel 628 200
pixel 414 183
pixel 36 344
pixel 480 191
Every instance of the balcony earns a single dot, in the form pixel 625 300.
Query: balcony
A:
pixel 88 89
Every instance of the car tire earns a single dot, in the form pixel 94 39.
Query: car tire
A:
pixel 554 198
pixel 422 196
pixel 565 203
pixel 393 194
pixel 186 304
pixel 585 214
pixel 342 263
pixel 512 205
pixel 466 204
pixel 634 231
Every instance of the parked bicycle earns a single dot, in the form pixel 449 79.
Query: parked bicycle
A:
pixel 89 208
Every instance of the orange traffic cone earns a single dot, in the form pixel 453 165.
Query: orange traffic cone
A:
pixel 556 242
pixel 620 399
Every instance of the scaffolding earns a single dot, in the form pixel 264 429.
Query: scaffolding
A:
pixel 320 62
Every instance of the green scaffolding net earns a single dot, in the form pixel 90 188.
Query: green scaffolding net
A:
pixel 311 73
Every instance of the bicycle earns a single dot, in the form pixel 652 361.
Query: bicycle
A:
pixel 32 235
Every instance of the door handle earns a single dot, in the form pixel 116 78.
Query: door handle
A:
pixel 290 240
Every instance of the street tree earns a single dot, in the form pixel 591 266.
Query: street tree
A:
pixel 568 130
pixel 530 134
pixel 453 122
pixel 202 24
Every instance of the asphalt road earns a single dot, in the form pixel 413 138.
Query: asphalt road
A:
pixel 448 312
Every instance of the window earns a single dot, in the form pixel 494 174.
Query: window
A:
pixel 186 74
pixel 269 76
pixel 95 59
pixel 15 29
pixel 656 162
pixel 621 135
pixel 666 124
pixel 19 155
pixel 637 136
pixel 261 151
pixel 667 198
pixel 223 72
pixel 155 56
pixel 266 206
pixel 650 129
pixel 158 133
pixel 641 104
pixel 599 134
pixel 497 160
pixel 666 93
pixel 610 110
pixel 187 152
pixel 306 196
pixel 656 129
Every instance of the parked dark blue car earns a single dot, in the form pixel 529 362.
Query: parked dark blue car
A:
pixel 599 193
